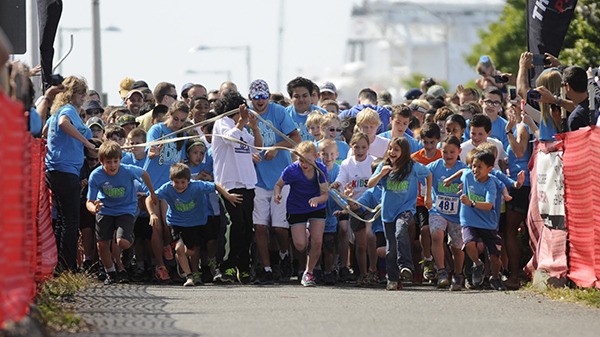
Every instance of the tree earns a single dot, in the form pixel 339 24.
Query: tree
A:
pixel 505 39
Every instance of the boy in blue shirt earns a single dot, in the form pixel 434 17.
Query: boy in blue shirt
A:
pixel 478 217
pixel 187 213
pixel 112 197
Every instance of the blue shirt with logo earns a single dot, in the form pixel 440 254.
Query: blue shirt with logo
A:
pixel 300 120
pixel 65 153
pixel 446 200
pixel 331 220
pixel 371 198
pixel 158 167
pixel 117 193
pixel 189 208
pixel 479 192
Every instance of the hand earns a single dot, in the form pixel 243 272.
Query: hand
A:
pixel 512 121
pixel 252 121
pixel 528 121
pixel 313 202
pixel 335 185
pixel 83 183
pixel 339 212
pixel 526 60
pixel 547 96
pixel 243 114
pixel 554 62
pixel 447 182
pixel 385 169
pixel 97 206
pixel 465 200
pixel 154 151
pixel 278 198
pixel 205 176
pixel 154 198
pixel 256 158
pixel 348 190
pixel 154 220
pixel 428 202
pixel 270 154
pixel 35 70
pixel 53 91
pixel 234 198
pixel 520 178
pixel 460 88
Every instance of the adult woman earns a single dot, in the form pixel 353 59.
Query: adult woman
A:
pixel 67 136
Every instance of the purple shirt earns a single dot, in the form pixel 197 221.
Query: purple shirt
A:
pixel 302 189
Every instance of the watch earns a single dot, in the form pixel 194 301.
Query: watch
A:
pixel 473 203
pixel 509 132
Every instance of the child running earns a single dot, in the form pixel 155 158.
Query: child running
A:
pixel 305 203
pixel 398 175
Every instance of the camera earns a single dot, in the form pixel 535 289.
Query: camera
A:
pixel 501 79
pixel 56 79
pixel 429 82
pixel 540 60
pixel 534 95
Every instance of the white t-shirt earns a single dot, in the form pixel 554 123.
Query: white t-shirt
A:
pixel 233 166
pixel 355 173
pixel 467 146
pixel 377 149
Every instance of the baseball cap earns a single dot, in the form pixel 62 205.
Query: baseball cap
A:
pixel 95 121
pixel 126 119
pixel 139 84
pixel 330 87
pixel 134 91
pixel 258 88
pixel 92 105
pixel 436 91
pixel 185 88
pixel 413 93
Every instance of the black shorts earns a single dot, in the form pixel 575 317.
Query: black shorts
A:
pixel 295 219
pixel 421 217
pixel 344 217
pixel 520 200
pixel 356 224
pixel 86 219
pixel 192 237
pixel 489 237
pixel 106 225
pixel 142 229
pixel 380 239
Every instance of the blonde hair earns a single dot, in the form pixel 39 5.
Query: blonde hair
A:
pixel 73 85
pixel 422 103
pixel 470 156
pixel 330 117
pixel 368 116
pixel 487 146
pixel 552 81
pixel 306 147
pixel 325 143
pixel 314 118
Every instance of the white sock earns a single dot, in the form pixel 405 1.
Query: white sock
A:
pixel 282 255
pixel 268 269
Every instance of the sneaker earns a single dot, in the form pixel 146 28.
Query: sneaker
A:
pixel 244 277
pixel 123 276
pixel 496 284
pixel 229 276
pixel 344 274
pixel 318 273
pixel 207 276
pixel 329 279
pixel 264 278
pixel 214 268
pixel 393 285
pixel 477 277
pixel 362 281
pixel 456 283
pixel 111 277
pixel 428 270
pixel 197 277
pixel 442 278
pixel 308 280
pixel 372 278
pixel 138 275
pixel 162 274
pixel 189 281
pixel 87 266
pixel 406 274
pixel 168 252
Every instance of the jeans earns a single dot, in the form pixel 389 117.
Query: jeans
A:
pixel 241 231
pixel 66 200
pixel 398 253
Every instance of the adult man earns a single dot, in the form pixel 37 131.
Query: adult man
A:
pixel 328 91
pixel 165 94
pixel 226 87
pixel 195 91
pixel 134 101
pixel 300 90
pixel 269 165
pixel 576 82
pixel 367 98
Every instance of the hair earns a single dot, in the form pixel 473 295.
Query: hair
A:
pixel 178 106
pixel 137 133
pixel 146 107
pixel 375 164
pixel 300 82
pixel 180 171
pixel 484 61
pixel 190 132
pixel 158 110
pixel 414 123
pixel 231 100
pixel 385 97
pixel 485 157
pixel 576 78
pixel 314 118
pixel 196 142
pixel 437 103
pixel 195 101
pixel 473 107
pixel 481 121
pixel 368 94
pixel 470 92
pixel 552 81
pixel 357 136
pixel 72 86
pixel 430 130
pixel 279 99
pixel 401 110
pixel 97 142
pixel 316 89
pixel 348 124
pixel 327 102
pixel 368 116
pixel 403 165
pixel 207 128
pixel 487 146
pixel 109 150
pixel 114 130
pixel 325 143
pixel 442 114
pixel 306 147
pixel 494 91
pixel 452 140
pixel 329 117
pixel 161 90
pixel 456 118
pixel 190 88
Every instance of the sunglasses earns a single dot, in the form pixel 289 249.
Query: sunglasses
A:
pixel 172 96
pixel 257 97
pixel 335 129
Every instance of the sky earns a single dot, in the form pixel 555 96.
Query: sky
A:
pixel 155 38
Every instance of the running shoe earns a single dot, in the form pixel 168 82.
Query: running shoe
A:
pixel 442 278
pixel 456 283
pixel 189 281
pixel 496 284
pixel 406 274
pixel 308 280
pixel 428 270
pixel 477 274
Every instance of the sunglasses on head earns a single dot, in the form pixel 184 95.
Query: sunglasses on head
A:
pixel 257 97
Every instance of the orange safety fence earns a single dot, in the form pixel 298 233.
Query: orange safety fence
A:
pixel 28 248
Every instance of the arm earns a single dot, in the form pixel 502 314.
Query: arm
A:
pixel 385 169
pixel 484 206
pixel 148 182
pixel 294 135
pixel 525 63
pixel 93 206
pixel 322 198
pixel 520 142
pixel 153 210
pixel 65 124
pixel 44 107
pixel 277 190
pixel 453 177
pixel 427 199
pixel 231 197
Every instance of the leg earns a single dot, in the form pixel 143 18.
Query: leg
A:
pixel 343 242
pixel 437 248
pixel 371 250
pixel 262 244
pixel 404 240
pixel 182 257
pixel 105 255
pixel 316 243
pixel 391 252
pixel 513 249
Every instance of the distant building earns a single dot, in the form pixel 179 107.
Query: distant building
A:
pixel 389 40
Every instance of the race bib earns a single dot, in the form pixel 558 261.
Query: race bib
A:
pixel 447 205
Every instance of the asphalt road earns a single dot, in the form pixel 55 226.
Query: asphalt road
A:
pixel 291 310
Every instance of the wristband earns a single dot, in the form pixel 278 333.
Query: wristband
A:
pixel 473 204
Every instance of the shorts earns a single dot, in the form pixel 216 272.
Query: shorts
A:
pixel 302 219
pixel 421 217
pixel 192 237
pixel 356 224
pixel 267 211
pixel 439 223
pixel 86 219
pixel 142 229
pixel 106 225
pixel 380 239
pixel 344 217
pixel 489 237
pixel 213 226
pixel 520 200
pixel 329 243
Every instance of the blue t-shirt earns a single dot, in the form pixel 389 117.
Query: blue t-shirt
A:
pixel 479 192
pixel 384 114
pixel 446 200
pixel 189 208
pixel 414 144
pixel 371 198
pixel 331 220
pixel 302 189
pixel 343 149
pixel 300 120
pixel 400 196
pixel 207 166
pixel 117 193
pixel 268 171
pixel 129 159
pixel 158 168
pixel 498 131
pixel 516 165
pixel 65 153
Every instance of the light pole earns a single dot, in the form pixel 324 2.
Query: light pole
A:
pixel 245 48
